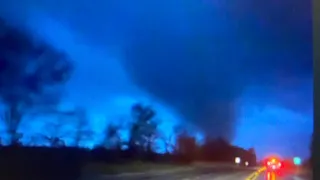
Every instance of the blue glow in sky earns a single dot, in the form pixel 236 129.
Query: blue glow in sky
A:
pixel 227 69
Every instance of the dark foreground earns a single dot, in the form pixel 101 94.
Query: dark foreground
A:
pixel 26 163
pixel 208 173
pixel 194 174
pixel 68 164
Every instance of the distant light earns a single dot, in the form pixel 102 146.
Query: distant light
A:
pixel 297 161
pixel 246 163
pixel 273 160
pixel 237 160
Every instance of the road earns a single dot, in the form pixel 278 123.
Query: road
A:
pixel 203 174
pixel 273 176
pixel 199 173
pixel 265 176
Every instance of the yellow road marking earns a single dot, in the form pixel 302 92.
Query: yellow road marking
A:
pixel 273 176
pixel 255 174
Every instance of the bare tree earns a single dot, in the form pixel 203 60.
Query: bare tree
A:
pixel 112 136
pixel 83 131
pixel 56 131
pixel 168 144
pixel 144 129
pixel 30 74
pixel 54 137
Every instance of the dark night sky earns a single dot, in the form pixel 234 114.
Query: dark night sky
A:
pixel 238 70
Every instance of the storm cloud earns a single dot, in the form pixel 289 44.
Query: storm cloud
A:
pixel 205 66
pixel 195 55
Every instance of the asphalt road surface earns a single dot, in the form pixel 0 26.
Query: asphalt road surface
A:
pixel 272 176
pixel 195 174
pixel 206 174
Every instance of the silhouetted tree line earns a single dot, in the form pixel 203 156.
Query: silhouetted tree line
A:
pixel 142 145
pixel 60 162
pixel 212 150
pixel 32 74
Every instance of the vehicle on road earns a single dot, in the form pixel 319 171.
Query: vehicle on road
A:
pixel 274 165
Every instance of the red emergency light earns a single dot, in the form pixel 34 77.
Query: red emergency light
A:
pixel 273 163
